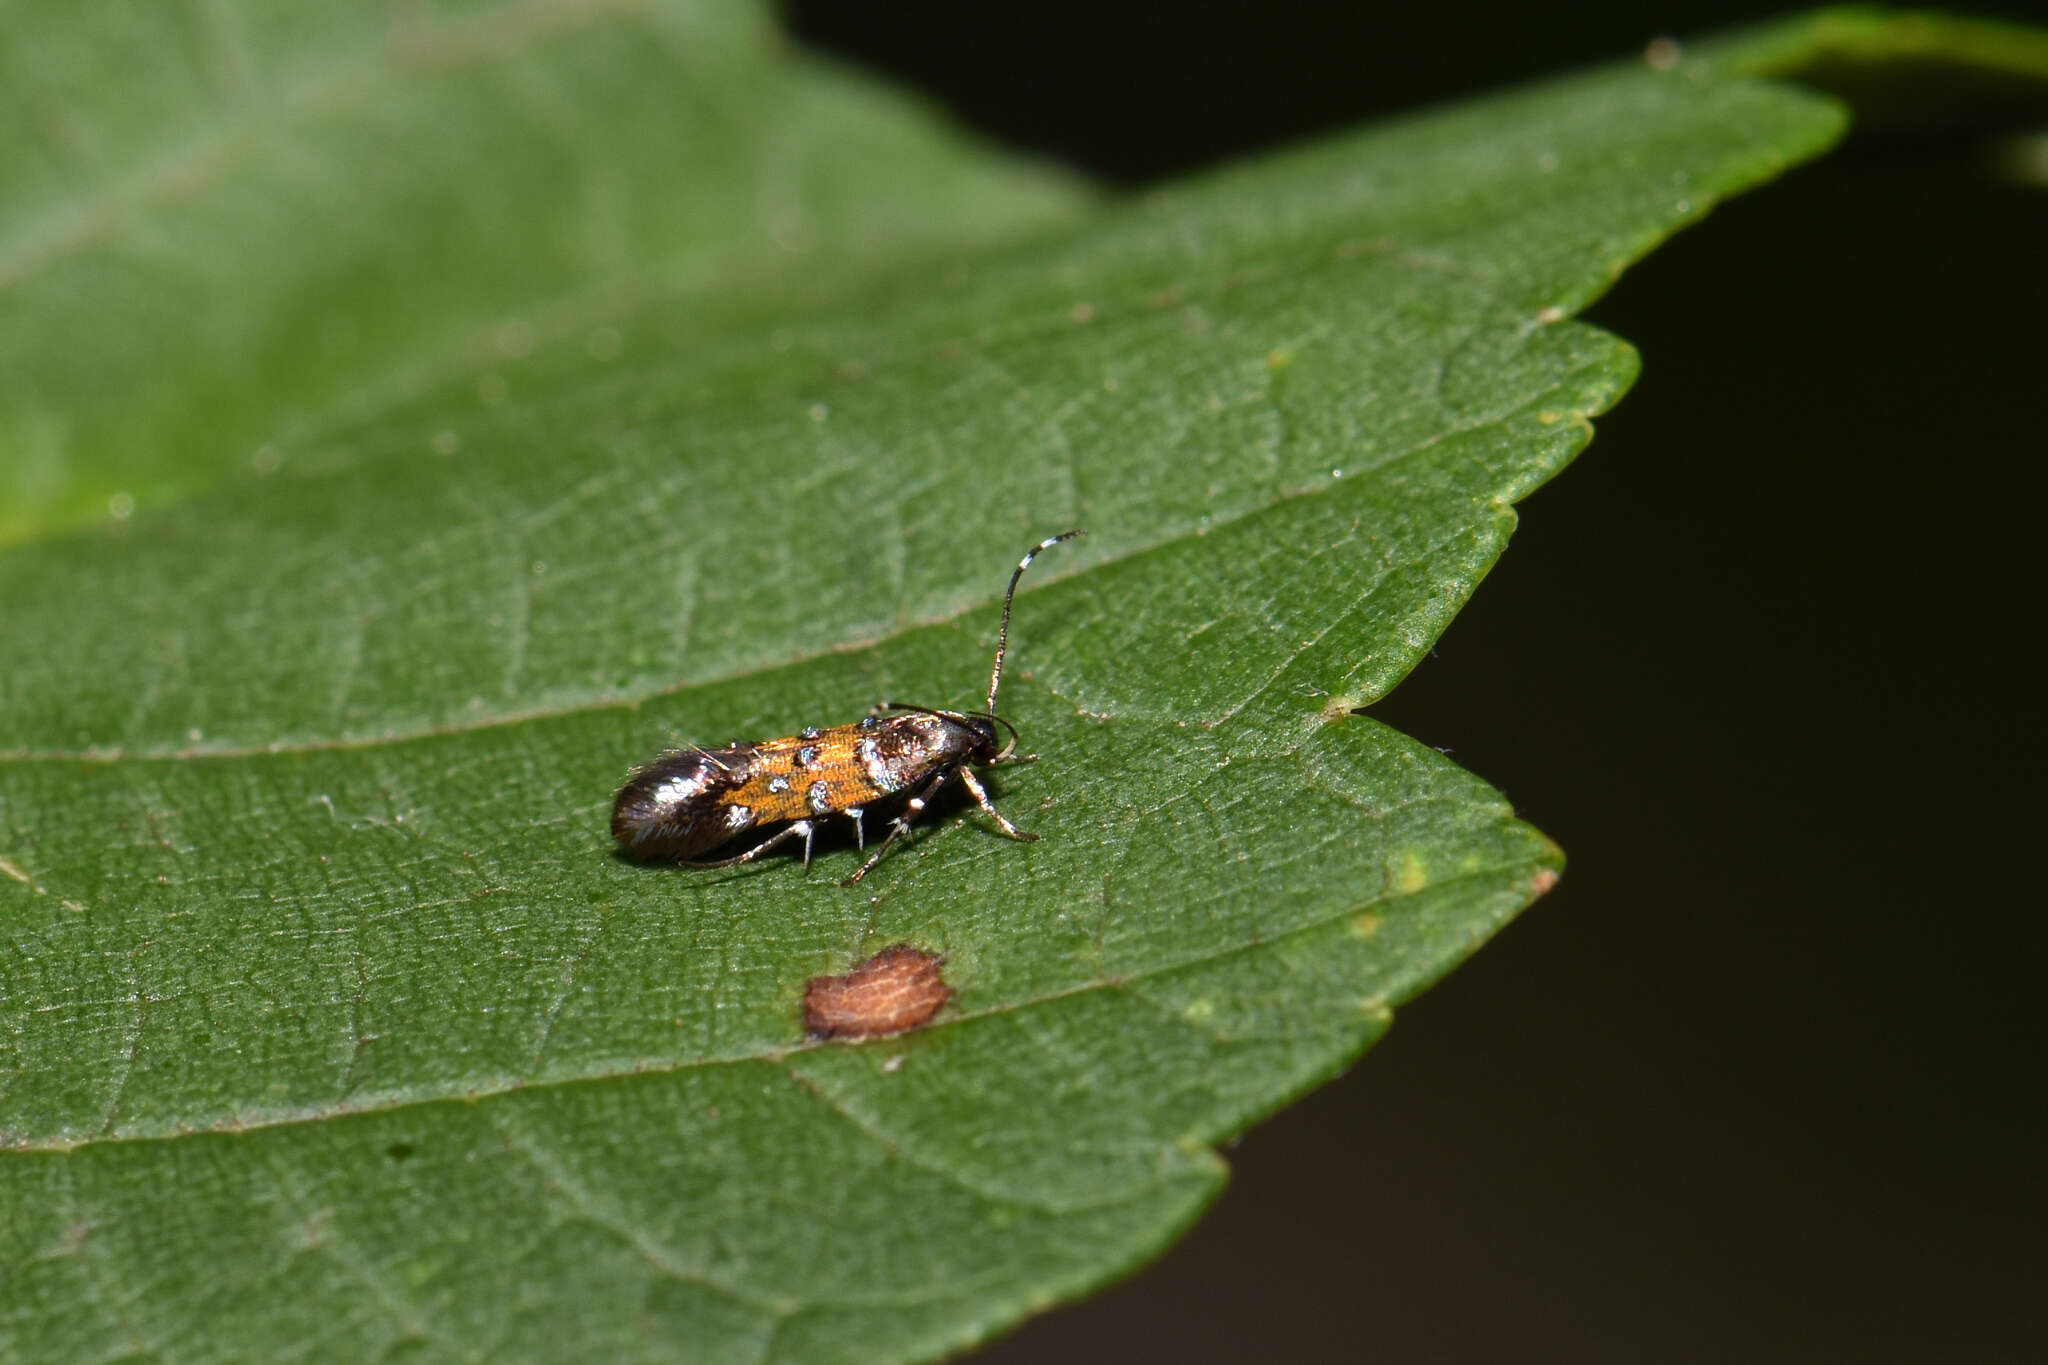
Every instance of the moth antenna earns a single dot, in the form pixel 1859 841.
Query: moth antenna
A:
pixel 995 676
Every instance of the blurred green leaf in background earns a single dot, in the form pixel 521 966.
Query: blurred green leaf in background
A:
pixel 409 423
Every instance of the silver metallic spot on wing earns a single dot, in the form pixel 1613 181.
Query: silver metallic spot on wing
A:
pixel 677 790
pixel 738 818
pixel 821 798
pixel 778 785
pixel 875 766
pixel 806 756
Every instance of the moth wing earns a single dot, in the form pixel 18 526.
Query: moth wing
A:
pixel 674 806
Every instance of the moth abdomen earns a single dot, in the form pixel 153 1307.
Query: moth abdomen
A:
pixel 679 805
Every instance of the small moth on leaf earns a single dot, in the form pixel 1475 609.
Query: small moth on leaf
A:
pixel 691 801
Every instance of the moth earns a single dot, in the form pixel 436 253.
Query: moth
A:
pixel 696 800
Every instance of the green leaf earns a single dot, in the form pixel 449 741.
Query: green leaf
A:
pixel 226 225
pixel 334 1027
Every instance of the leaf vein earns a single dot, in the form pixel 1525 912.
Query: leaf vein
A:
pixel 486 1088
pixel 662 1258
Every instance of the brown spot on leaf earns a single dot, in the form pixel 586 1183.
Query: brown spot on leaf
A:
pixel 896 990
pixel 1543 881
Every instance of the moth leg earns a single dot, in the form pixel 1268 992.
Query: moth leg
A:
pixel 901 824
pixel 781 836
pixel 860 831
pixel 980 795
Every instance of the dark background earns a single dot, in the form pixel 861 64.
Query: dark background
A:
pixel 1758 1080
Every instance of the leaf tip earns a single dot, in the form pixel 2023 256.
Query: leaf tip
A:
pixel 1339 705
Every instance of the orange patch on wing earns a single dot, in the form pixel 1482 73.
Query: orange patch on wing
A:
pixel 896 990
pixel 835 761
